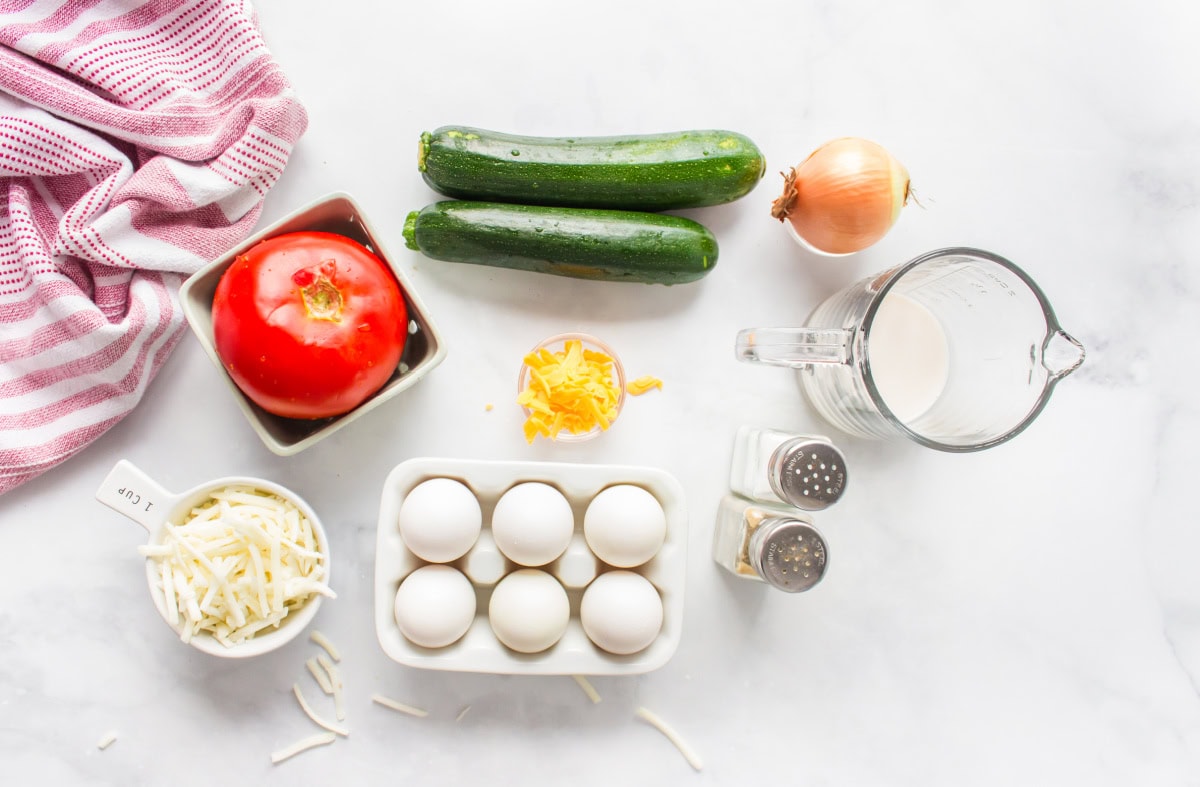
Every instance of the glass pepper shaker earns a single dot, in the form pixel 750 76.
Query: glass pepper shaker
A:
pixel 773 466
pixel 769 543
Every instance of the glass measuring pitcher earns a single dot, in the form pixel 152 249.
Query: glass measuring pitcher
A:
pixel 957 350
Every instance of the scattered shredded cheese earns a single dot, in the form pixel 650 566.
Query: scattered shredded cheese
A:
pixel 588 688
pixel 571 391
pixel 106 741
pixel 240 563
pixel 325 644
pixel 654 721
pixel 461 713
pixel 319 675
pixel 401 707
pixel 339 701
pixel 304 744
pixel 308 711
pixel 488 407
pixel 642 384
pixel 335 683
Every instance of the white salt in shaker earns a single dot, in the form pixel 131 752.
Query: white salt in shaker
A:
pixel 773 466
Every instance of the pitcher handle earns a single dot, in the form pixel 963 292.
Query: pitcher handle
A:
pixel 794 347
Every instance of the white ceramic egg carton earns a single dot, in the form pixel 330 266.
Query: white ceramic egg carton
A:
pixel 479 650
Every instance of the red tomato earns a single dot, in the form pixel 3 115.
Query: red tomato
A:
pixel 309 324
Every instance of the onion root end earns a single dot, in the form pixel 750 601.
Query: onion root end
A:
pixel 785 203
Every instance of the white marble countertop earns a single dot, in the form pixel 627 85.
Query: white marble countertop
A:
pixel 1024 615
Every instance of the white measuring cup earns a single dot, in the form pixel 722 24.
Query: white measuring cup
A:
pixel 957 350
pixel 129 491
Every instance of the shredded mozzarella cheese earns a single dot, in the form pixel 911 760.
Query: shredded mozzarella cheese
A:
pixel 106 741
pixel 401 707
pixel 319 675
pixel 588 688
pixel 335 682
pixel 308 711
pixel 304 744
pixel 654 721
pixel 238 564
pixel 326 645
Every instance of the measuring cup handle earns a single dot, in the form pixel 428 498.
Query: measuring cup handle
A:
pixel 129 491
pixel 794 347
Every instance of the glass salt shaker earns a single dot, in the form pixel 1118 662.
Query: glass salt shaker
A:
pixel 773 466
pixel 769 543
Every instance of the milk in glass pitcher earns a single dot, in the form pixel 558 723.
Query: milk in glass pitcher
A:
pixel 957 350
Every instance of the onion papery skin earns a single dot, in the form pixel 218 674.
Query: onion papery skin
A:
pixel 844 197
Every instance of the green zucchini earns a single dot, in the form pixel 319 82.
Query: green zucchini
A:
pixel 686 169
pixel 585 243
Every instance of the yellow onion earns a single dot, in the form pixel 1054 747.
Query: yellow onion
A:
pixel 844 197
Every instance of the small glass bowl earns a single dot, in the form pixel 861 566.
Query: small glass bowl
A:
pixel 556 344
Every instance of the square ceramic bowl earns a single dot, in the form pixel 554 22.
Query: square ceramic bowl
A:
pixel 478 650
pixel 337 213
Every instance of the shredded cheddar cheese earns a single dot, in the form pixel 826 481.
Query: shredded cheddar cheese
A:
pixel 571 391
pixel 642 384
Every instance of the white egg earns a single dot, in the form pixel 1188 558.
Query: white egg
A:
pixel 621 612
pixel 440 520
pixel 529 610
pixel 435 606
pixel 532 523
pixel 625 525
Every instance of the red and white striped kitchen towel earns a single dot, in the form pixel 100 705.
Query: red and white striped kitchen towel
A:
pixel 137 140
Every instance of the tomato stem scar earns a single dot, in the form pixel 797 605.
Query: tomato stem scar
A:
pixel 322 299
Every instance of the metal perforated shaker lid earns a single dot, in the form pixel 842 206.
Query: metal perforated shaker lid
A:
pixel 787 553
pixel 807 472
